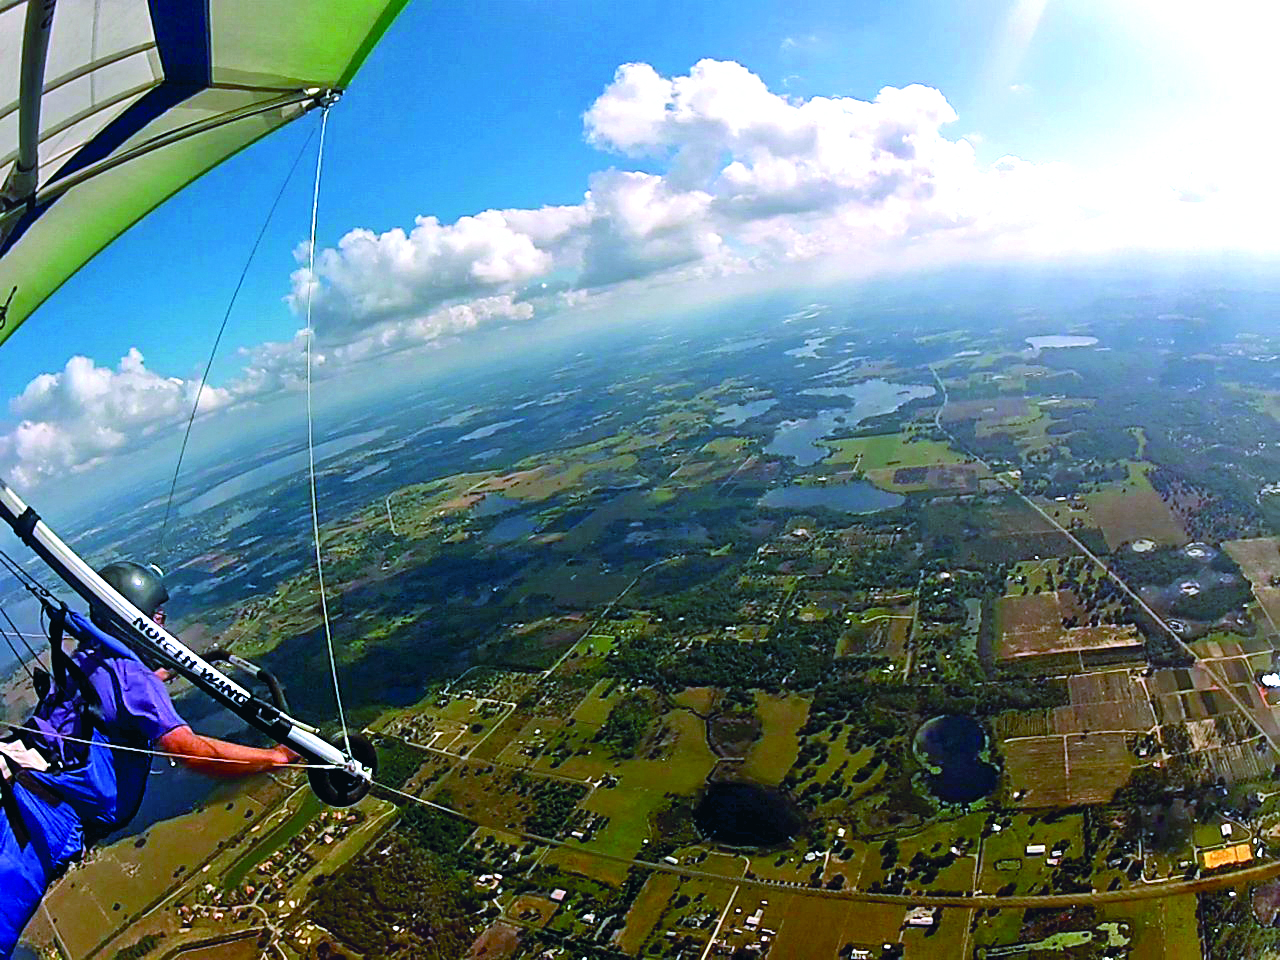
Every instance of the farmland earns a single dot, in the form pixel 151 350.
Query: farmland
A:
pixel 573 640
pixel 1133 510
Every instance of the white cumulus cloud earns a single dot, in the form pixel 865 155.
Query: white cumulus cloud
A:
pixel 736 178
pixel 84 412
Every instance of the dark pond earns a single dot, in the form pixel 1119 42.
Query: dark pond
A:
pixel 953 745
pixel 513 528
pixel 856 497
pixel 746 815
pixel 492 504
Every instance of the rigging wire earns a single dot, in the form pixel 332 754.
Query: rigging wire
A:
pixel 123 748
pixel 311 449
pixel 226 316
pixel 17 656
pixel 25 578
pixel 21 636
pixel 38 589
pixel 422 800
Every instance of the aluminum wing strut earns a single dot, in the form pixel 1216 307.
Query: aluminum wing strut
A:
pixel 346 774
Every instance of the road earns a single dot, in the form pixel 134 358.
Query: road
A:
pixel 1249 875
pixel 609 609
pixel 1268 730
pixel 1272 735
pixel 720 923
pixel 1144 891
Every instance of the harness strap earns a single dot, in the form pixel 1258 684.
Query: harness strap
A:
pixel 39 787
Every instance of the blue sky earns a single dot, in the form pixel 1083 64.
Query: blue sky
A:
pixel 468 107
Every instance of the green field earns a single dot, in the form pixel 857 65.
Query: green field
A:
pixel 773 754
pixel 306 811
pixel 1133 510
pixel 644 785
pixel 647 910
pixel 892 451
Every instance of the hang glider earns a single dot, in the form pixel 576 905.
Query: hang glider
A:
pixel 109 107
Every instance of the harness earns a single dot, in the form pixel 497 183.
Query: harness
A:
pixel 103 786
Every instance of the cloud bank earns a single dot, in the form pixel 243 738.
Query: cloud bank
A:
pixel 750 180
pixel 85 413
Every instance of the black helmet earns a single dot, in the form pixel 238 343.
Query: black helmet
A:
pixel 141 586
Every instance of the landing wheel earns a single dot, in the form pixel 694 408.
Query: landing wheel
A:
pixel 338 788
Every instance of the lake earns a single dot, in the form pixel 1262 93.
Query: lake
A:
pixel 273 470
pixel 809 350
pixel 1060 341
pixel 799 439
pixel 856 497
pixel 489 430
pixel 368 471
pixel 746 815
pixel 492 504
pixel 736 414
pixel 951 746
pixel 512 528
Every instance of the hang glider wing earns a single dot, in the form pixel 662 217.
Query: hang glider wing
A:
pixel 109 107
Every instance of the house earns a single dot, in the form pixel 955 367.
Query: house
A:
pixel 921 916
pixel 558 895
pixel 1035 849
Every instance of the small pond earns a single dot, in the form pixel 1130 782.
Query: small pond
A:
pixel 746 815
pixel 856 497
pixel 951 747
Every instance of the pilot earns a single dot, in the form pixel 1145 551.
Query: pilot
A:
pixel 79 769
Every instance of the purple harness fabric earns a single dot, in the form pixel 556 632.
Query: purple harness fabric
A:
pixel 133 700
pixel 92 790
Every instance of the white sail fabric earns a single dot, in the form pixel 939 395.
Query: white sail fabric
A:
pixel 138 98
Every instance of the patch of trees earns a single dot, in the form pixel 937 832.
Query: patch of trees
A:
pixel 886 568
pixel 397 762
pixel 1229 929
pixel 874 711
pixel 994 448
pixel 135 951
pixel 1159 567
pixel 553 804
pixel 407 889
pixel 1055 479
pixel 1159 648
pixel 783 662
pixel 1211 508
pixel 624 729
pixel 434 831
pixel 705 604
pixel 1101 437
pixel 1215 601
